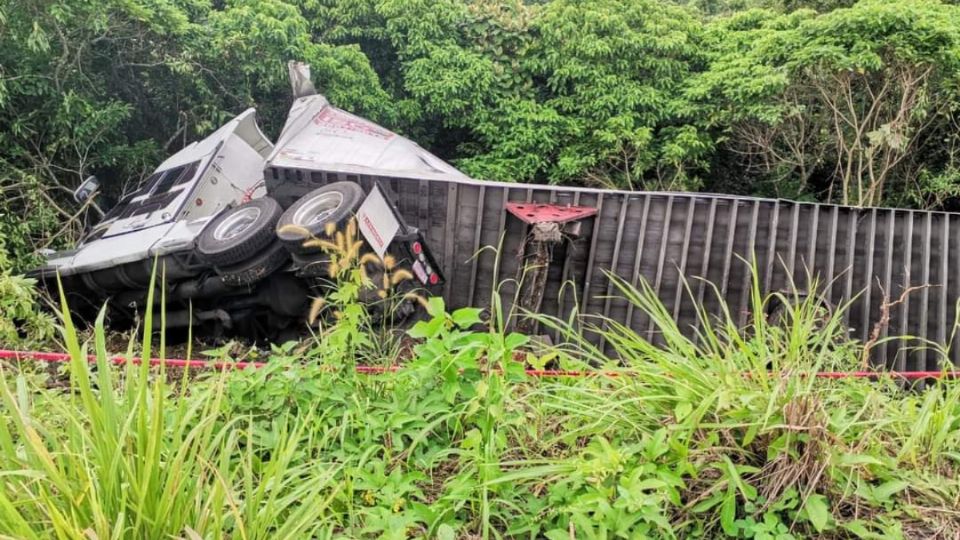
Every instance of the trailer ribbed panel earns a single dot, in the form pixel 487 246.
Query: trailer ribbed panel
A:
pixel 861 260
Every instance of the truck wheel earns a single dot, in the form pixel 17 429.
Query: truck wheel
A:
pixel 333 203
pixel 239 233
pixel 255 268
pixel 313 266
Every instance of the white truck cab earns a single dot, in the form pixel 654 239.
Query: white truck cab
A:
pixel 171 206
pixel 213 222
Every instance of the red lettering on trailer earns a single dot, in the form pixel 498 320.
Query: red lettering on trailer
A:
pixel 373 230
pixel 340 121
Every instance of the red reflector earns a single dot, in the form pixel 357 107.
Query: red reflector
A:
pixel 199 201
pixel 549 213
pixel 417 248
pixel 434 278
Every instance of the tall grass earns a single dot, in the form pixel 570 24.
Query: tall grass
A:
pixel 756 445
pixel 724 435
pixel 126 454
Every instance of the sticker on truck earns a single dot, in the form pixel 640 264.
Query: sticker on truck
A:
pixel 376 221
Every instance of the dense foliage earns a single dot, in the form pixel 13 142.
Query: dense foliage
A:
pixel 822 100
pixel 22 324
pixel 462 443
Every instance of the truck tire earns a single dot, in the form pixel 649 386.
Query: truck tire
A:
pixel 239 233
pixel 333 203
pixel 255 268
pixel 312 266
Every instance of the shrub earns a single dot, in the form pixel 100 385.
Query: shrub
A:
pixel 21 321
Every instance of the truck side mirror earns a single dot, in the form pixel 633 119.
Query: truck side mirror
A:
pixel 86 190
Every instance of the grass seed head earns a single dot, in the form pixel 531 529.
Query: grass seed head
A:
pixel 315 308
pixel 354 251
pixel 371 258
pixel 295 229
pixel 400 276
pixel 352 228
pixel 319 243
pixel 418 299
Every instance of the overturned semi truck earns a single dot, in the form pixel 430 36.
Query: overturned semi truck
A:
pixel 214 215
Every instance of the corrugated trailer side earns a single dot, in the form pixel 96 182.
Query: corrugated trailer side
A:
pixel 869 255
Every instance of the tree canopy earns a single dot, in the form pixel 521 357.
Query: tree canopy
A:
pixel 832 101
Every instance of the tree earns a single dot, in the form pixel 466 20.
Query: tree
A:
pixel 570 91
pixel 112 87
pixel 839 102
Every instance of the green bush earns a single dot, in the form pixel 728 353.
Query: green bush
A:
pixel 730 436
pixel 22 324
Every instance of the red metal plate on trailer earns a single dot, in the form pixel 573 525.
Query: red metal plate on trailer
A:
pixel 549 213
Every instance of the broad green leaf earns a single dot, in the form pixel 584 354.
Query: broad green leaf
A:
pixel 818 511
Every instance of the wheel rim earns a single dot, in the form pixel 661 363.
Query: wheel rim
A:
pixel 236 224
pixel 318 209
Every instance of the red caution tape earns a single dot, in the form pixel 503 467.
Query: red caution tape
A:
pixel 39 356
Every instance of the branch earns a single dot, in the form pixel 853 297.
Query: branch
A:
pixel 884 321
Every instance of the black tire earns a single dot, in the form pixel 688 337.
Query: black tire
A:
pixel 255 268
pixel 221 246
pixel 313 265
pixel 311 213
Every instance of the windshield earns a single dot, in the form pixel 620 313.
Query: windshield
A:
pixel 155 193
